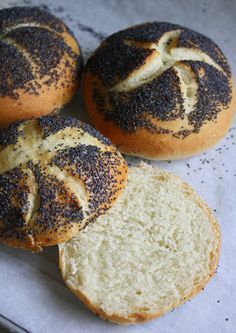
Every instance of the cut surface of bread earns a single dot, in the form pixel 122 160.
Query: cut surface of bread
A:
pixel 56 173
pixel 155 249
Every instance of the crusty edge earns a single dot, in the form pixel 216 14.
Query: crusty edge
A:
pixel 142 316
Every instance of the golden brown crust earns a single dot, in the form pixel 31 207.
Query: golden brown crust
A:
pixel 143 316
pixel 56 174
pixel 40 81
pixel 160 146
pixel 152 119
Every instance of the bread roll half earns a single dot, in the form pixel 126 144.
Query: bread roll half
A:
pixel 154 250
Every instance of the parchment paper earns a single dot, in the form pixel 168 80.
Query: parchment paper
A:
pixel 32 293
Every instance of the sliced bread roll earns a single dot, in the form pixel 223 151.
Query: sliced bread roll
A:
pixel 155 249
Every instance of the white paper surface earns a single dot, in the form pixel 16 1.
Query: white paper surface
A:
pixel 32 293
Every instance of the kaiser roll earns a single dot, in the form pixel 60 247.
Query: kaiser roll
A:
pixel 41 64
pixel 56 175
pixel 160 91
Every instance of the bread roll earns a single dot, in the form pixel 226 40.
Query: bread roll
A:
pixel 155 249
pixel 160 91
pixel 41 64
pixel 56 174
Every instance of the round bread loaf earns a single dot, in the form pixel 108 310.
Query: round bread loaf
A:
pixel 156 248
pixel 56 174
pixel 41 64
pixel 160 91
